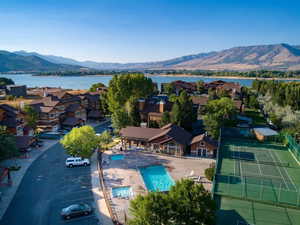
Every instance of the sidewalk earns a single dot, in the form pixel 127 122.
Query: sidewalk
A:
pixel 102 210
pixel 8 192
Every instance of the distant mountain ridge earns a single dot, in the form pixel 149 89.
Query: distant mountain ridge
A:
pixel 30 63
pixel 257 57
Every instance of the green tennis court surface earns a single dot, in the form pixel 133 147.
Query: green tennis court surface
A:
pixel 253 179
pixel 258 171
pixel 242 212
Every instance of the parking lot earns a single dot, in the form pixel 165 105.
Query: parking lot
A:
pixel 47 187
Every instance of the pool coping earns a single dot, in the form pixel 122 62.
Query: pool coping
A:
pixel 141 176
pixel 122 187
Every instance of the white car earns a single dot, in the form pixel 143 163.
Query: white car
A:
pixel 77 161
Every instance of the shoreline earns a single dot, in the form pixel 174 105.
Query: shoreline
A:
pixel 180 75
pixel 225 77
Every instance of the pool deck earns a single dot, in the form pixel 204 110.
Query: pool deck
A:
pixel 125 172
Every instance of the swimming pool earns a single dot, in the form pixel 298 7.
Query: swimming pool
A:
pixel 117 157
pixel 122 192
pixel 157 178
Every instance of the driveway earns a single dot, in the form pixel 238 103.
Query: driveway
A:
pixel 47 187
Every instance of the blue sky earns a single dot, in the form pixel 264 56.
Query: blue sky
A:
pixel 144 30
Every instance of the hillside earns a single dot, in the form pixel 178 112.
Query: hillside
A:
pixel 31 63
pixel 269 57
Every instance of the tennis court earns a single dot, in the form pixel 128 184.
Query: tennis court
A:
pixel 257 171
pixel 242 212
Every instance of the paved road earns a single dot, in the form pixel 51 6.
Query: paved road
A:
pixel 46 188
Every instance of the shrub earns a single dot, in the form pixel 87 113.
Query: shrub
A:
pixel 209 173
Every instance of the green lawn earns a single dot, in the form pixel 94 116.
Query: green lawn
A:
pixel 256 115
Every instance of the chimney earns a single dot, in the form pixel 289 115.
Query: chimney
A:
pixel 22 105
pixel 45 92
pixel 141 103
pixel 161 106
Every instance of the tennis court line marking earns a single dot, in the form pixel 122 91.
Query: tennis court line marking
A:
pixel 259 168
pixel 279 170
pixel 286 172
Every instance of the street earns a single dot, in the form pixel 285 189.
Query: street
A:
pixel 47 187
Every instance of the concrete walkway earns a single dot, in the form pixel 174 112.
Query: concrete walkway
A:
pixel 102 212
pixel 8 192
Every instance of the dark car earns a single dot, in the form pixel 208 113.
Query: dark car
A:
pixel 76 210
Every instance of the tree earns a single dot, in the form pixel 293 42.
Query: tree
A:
pixel 212 94
pixel 182 112
pixel 209 173
pixel 6 81
pixel 80 141
pixel 276 120
pixel 120 119
pixel 200 86
pixel 31 116
pixel 253 102
pixel 176 114
pixel 217 113
pixel 187 203
pixel 8 148
pixel 153 124
pixel 122 87
pixel 169 89
pixel 132 110
pixel 96 86
pixel 212 125
pixel 104 103
pixel 105 138
pixel 123 91
pixel 166 119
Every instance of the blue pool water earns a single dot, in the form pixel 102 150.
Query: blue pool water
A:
pixel 117 157
pixel 156 178
pixel 122 192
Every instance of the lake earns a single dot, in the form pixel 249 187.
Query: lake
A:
pixel 84 82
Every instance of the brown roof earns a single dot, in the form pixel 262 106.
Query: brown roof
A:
pixel 200 100
pixel 212 144
pixel 46 109
pixel 140 132
pixel 231 86
pixel 174 132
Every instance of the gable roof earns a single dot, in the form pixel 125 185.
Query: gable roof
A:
pixel 174 132
pixel 139 132
pixel 212 144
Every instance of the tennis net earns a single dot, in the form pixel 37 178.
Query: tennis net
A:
pixel 282 164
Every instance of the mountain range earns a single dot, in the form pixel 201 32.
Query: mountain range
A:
pixel 268 57
pixel 30 63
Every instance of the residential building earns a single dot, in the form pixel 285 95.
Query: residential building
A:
pixel 16 90
pixel 170 139
pixel 49 112
pixel 14 120
pixel 152 109
pixel 203 146
pixel 179 85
